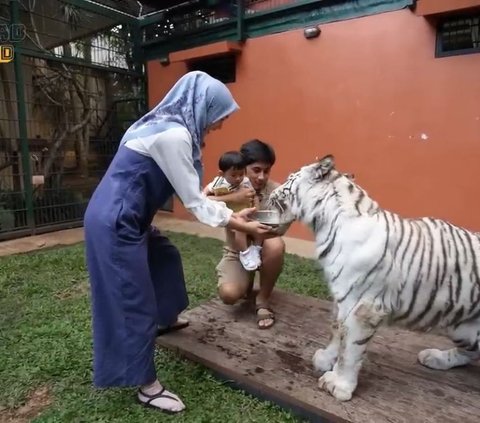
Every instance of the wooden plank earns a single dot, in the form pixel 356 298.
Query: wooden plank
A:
pixel 276 365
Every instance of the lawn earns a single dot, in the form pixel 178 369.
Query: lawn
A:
pixel 45 344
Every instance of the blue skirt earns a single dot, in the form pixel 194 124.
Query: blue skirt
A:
pixel 136 274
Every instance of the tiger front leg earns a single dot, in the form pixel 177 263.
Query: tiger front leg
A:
pixel 324 358
pixel 355 331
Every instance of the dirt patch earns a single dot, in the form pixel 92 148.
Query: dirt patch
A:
pixel 289 344
pixel 77 290
pixel 38 401
pixel 292 362
pixel 229 352
pixel 210 336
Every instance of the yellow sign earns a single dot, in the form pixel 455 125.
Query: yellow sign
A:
pixel 6 53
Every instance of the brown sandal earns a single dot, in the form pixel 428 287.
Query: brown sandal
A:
pixel 265 315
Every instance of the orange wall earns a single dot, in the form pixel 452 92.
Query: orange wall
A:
pixel 367 90
pixel 431 7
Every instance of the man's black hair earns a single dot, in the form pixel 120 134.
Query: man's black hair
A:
pixel 257 151
pixel 231 160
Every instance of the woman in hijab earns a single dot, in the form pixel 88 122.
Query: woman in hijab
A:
pixel 136 274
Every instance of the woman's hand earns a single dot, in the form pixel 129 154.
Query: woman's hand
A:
pixel 245 213
pixel 240 222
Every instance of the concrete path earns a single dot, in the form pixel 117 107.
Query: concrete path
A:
pixel 162 220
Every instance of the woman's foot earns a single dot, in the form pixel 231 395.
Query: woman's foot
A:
pixel 156 396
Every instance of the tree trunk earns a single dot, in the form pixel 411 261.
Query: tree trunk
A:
pixel 67 52
pixel 84 134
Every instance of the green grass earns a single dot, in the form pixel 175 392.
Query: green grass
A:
pixel 45 341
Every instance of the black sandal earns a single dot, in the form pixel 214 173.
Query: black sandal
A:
pixel 154 397
pixel 172 328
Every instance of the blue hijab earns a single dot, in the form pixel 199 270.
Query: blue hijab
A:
pixel 195 102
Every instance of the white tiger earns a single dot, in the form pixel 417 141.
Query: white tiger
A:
pixel 418 273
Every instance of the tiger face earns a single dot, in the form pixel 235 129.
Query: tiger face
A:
pixel 288 197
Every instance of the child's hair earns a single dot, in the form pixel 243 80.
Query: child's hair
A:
pixel 231 160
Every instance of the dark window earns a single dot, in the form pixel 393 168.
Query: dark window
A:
pixel 458 35
pixel 222 68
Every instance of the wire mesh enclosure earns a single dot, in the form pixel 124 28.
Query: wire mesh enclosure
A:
pixel 191 16
pixel 72 90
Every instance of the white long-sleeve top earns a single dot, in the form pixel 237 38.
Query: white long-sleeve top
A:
pixel 172 151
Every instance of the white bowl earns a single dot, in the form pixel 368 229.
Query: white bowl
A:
pixel 267 217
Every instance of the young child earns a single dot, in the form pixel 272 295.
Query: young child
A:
pixel 232 178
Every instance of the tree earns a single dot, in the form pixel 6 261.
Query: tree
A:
pixel 67 92
pixel 63 91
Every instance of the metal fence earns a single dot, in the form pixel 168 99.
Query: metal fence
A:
pixel 192 16
pixel 192 23
pixel 73 88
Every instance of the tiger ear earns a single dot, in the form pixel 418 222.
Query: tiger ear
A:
pixel 325 165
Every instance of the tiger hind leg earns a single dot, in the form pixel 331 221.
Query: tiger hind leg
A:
pixel 466 337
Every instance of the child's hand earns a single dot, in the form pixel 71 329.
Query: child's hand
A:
pixel 243 195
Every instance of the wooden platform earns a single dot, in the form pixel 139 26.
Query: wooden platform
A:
pixel 276 365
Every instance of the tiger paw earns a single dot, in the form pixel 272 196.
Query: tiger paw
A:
pixel 433 359
pixel 338 387
pixel 323 360
pixel 443 360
